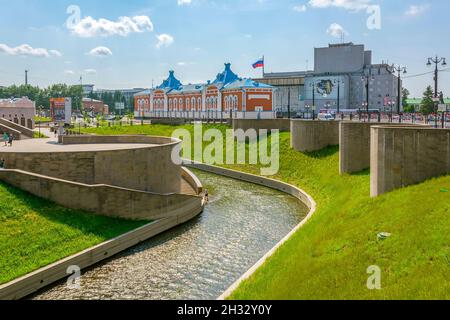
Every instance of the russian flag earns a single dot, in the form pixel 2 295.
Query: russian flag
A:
pixel 259 64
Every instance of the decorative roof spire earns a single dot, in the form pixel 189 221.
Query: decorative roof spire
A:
pixel 171 82
pixel 227 76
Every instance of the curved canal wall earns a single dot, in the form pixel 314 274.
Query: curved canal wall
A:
pixel 270 183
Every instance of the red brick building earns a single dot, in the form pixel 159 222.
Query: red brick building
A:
pixel 227 96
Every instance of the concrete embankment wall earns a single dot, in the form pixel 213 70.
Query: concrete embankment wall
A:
pixel 404 156
pixel 43 277
pixel 268 124
pixel 23 130
pixel 147 169
pixel 5 129
pixel 354 142
pixel 266 182
pixel 309 136
pixel 102 199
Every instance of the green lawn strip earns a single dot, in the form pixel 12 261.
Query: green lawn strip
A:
pixel 35 232
pixel 329 256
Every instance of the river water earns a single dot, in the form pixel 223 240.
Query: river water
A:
pixel 200 259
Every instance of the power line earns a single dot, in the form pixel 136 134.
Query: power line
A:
pixel 426 73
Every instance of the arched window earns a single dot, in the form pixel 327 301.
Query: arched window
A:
pixel 170 104
pixel 227 103
pixel 181 104
pixel 193 103
pixel 175 104
pixel 199 103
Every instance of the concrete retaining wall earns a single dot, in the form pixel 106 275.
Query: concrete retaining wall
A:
pixel 309 136
pixel 354 142
pixel 23 130
pixel 147 169
pixel 43 277
pixel 280 124
pixel 404 156
pixel 266 182
pixel 102 199
pixel 192 180
pixel 5 129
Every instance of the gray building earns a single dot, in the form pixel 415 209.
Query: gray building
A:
pixel 339 80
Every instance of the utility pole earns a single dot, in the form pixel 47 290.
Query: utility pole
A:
pixel 26 77
pixel 436 62
pixel 289 103
pixel 399 69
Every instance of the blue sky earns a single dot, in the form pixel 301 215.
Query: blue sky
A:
pixel 195 38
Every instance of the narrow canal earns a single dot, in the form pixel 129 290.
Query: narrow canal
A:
pixel 198 260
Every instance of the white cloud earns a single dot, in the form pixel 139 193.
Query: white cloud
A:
pixel 352 5
pixel 69 72
pixel 181 63
pixel 26 50
pixel 300 8
pixel 89 27
pixel 90 71
pixel 55 53
pixel 336 30
pixel 100 52
pixel 416 10
pixel 164 40
pixel 184 2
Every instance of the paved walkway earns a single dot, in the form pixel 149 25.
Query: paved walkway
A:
pixel 51 145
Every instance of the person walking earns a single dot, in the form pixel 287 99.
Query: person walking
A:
pixel 10 140
pixel 2 164
pixel 206 196
pixel 5 139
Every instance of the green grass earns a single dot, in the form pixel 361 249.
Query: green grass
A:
pixel 39 136
pixel 42 119
pixel 35 232
pixel 329 257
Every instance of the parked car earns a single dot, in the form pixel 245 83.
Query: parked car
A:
pixel 325 117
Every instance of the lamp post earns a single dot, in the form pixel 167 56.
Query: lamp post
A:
pixel 313 86
pixel 338 82
pixel 436 62
pixel 366 79
pixel 399 69
pixel 365 105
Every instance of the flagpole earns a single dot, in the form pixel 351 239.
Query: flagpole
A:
pixel 264 66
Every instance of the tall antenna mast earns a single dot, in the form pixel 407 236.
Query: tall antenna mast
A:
pixel 26 77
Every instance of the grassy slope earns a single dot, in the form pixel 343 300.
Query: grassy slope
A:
pixel 329 257
pixel 35 232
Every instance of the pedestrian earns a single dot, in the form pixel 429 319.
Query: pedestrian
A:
pixel 2 164
pixel 206 196
pixel 5 139
pixel 11 139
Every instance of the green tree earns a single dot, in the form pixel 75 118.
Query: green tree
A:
pixel 427 105
pixel 405 96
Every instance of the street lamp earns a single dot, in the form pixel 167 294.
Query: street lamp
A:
pixel 338 82
pixel 365 105
pixel 436 62
pixel 366 79
pixel 399 69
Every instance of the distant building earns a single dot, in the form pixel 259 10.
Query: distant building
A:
pixel 340 70
pixel 95 106
pixel 128 94
pixel 20 111
pixel 87 89
pixel 227 96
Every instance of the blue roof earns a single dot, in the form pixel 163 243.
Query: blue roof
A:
pixel 246 83
pixel 188 88
pixel 171 82
pixel 227 76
